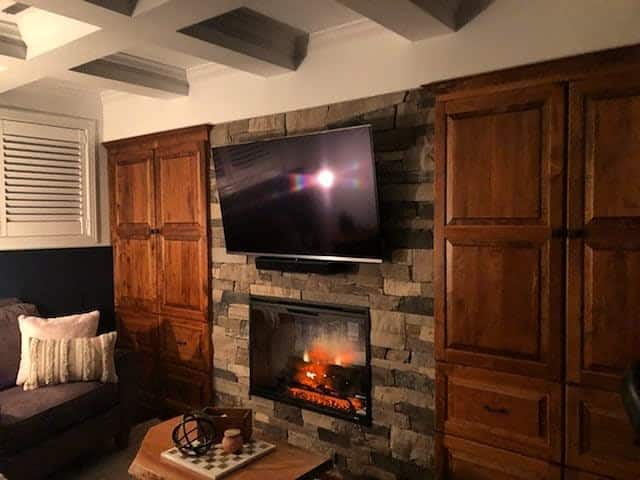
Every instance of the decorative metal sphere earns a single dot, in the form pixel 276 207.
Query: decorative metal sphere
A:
pixel 194 435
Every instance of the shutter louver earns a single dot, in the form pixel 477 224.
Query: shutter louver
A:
pixel 43 182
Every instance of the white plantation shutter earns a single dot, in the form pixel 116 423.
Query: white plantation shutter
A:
pixel 47 180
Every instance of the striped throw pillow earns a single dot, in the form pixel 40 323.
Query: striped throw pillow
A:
pixel 71 360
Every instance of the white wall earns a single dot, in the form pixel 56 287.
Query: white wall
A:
pixel 365 60
pixel 51 97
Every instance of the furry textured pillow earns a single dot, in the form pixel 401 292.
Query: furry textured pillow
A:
pixel 72 360
pixel 71 326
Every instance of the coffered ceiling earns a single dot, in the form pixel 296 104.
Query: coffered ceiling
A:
pixel 147 47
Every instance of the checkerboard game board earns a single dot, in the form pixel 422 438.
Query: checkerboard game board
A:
pixel 216 463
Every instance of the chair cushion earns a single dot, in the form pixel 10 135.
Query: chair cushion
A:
pixel 10 309
pixel 29 418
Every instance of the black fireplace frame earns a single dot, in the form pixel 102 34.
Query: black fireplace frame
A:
pixel 306 307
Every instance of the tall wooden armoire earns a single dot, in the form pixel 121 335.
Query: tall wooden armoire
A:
pixel 537 269
pixel 159 230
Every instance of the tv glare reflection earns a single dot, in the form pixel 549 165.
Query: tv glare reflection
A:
pixel 309 196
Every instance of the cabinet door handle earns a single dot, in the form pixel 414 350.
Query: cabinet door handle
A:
pixel 182 343
pixel 498 411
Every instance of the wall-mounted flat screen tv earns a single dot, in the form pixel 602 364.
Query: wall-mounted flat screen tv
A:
pixel 308 196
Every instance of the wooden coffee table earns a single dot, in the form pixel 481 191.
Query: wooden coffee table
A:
pixel 286 463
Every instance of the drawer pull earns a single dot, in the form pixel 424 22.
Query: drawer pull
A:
pixel 499 411
pixel 182 343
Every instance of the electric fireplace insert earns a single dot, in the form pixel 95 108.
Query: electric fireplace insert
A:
pixel 311 355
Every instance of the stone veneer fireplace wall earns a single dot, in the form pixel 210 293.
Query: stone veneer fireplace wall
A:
pixel 399 444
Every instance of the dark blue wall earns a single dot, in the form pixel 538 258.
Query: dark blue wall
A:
pixel 61 281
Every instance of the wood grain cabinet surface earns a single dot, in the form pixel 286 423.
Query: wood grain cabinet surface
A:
pixel 465 460
pixel 499 173
pixel 599 436
pixel 603 324
pixel 159 205
pixel 512 412
pixel 537 268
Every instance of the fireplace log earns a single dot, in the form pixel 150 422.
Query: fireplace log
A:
pixel 344 381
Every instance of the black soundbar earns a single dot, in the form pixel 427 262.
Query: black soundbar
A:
pixel 301 265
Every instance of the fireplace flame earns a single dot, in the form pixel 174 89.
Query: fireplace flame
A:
pixel 315 383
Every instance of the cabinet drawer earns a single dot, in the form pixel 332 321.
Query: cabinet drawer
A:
pixel 137 331
pixel 464 460
pixel 185 342
pixel 599 436
pixel 186 389
pixel 517 413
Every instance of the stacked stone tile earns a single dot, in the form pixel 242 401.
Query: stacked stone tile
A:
pixel 399 293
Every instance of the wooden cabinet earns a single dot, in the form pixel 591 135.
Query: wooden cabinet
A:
pixel 161 260
pixel 599 436
pixel 185 342
pixel 570 474
pixel 464 460
pixel 181 176
pixel 133 219
pixel 137 330
pixel 503 410
pixel 603 324
pixel 185 388
pixel 499 171
pixel 537 267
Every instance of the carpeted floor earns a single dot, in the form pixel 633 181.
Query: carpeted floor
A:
pixel 109 464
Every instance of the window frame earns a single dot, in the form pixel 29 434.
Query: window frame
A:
pixel 89 186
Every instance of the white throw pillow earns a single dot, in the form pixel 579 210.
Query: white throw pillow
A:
pixel 72 360
pixel 70 326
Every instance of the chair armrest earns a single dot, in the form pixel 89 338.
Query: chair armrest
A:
pixel 128 367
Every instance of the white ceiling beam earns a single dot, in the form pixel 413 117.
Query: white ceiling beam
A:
pixel 149 77
pixel 85 49
pixel 125 7
pixel 159 25
pixel 94 82
pixel 416 20
pixel 249 32
pixel 11 42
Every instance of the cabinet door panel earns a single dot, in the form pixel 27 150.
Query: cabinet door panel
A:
pixel 517 413
pixel 183 263
pixel 498 264
pixel 465 460
pixel 133 218
pixel 604 216
pixel 185 342
pixel 502 159
pixel 599 436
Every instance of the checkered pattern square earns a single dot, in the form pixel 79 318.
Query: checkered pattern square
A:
pixel 217 463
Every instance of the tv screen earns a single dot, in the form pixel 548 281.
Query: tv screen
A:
pixel 309 196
